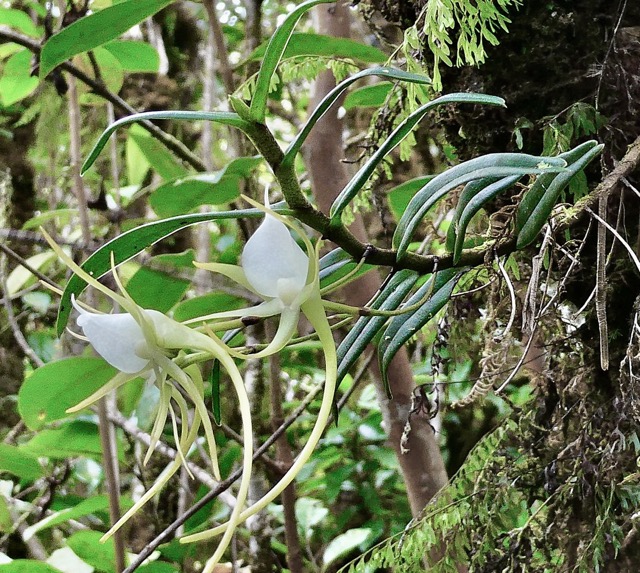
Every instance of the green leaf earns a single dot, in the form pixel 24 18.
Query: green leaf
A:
pixel 541 184
pixel 129 244
pixel 90 506
pixel 19 20
pixel 87 546
pixel 7 524
pixel 223 117
pixel 470 204
pixel 206 304
pixel 495 165
pixel 542 210
pixel 110 72
pixel 399 196
pixel 185 194
pixel 402 327
pixel 157 567
pixel 366 327
pixel 19 463
pixel 155 289
pixel 94 30
pixel 367 96
pixel 79 438
pixel 16 82
pixel 214 378
pixel 344 543
pixel 21 277
pixel 334 94
pixel 47 393
pixel 27 566
pixel 319 45
pixel 135 56
pixel 398 134
pixel 156 154
pixel 273 55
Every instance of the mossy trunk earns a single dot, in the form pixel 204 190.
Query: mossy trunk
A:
pixel 575 438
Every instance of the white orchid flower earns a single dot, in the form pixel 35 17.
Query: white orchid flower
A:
pixel 141 342
pixel 278 270
pixel 274 267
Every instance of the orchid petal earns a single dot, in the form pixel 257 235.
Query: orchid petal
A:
pixel 67 260
pixel 234 272
pixel 286 329
pixel 115 337
pixel 118 380
pixel 270 255
pixel 262 310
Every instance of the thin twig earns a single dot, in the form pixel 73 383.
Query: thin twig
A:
pixel 285 457
pixel 107 433
pixel 100 89
pixel 11 318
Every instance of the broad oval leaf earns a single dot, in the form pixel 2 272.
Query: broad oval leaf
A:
pixel 90 548
pixel 344 543
pixel 361 177
pixel 19 20
pixel 368 96
pixel 94 30
pixel 401 328
pixel 272 57
pixel 135 56
pixel 543 209
pixel 79 438
pixel 16 82
pixel 19 463
pixel 185 194
pixel 47 393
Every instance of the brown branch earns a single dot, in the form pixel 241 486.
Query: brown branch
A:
pixel 284 456
pixel 174 145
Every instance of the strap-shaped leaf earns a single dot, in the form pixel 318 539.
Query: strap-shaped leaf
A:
pixel 333 262
pixel 541 184
pixel 495 165
pixel 131 243
pixel 470 189
pixel 335 93
pixel 398 134
pixel 94 30
pixel 272 57
pixel 542 210
pixel 366 327
pixel 224 117
pixel 402 327
pixel 473 204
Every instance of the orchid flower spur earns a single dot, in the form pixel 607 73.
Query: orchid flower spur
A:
pixel 141 342
pixel 277 269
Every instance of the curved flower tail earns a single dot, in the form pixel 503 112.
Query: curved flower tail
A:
pixel 247 458
pixel 314 311
pixel 118 380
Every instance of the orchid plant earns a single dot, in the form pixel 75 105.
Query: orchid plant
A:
pixel 145 343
